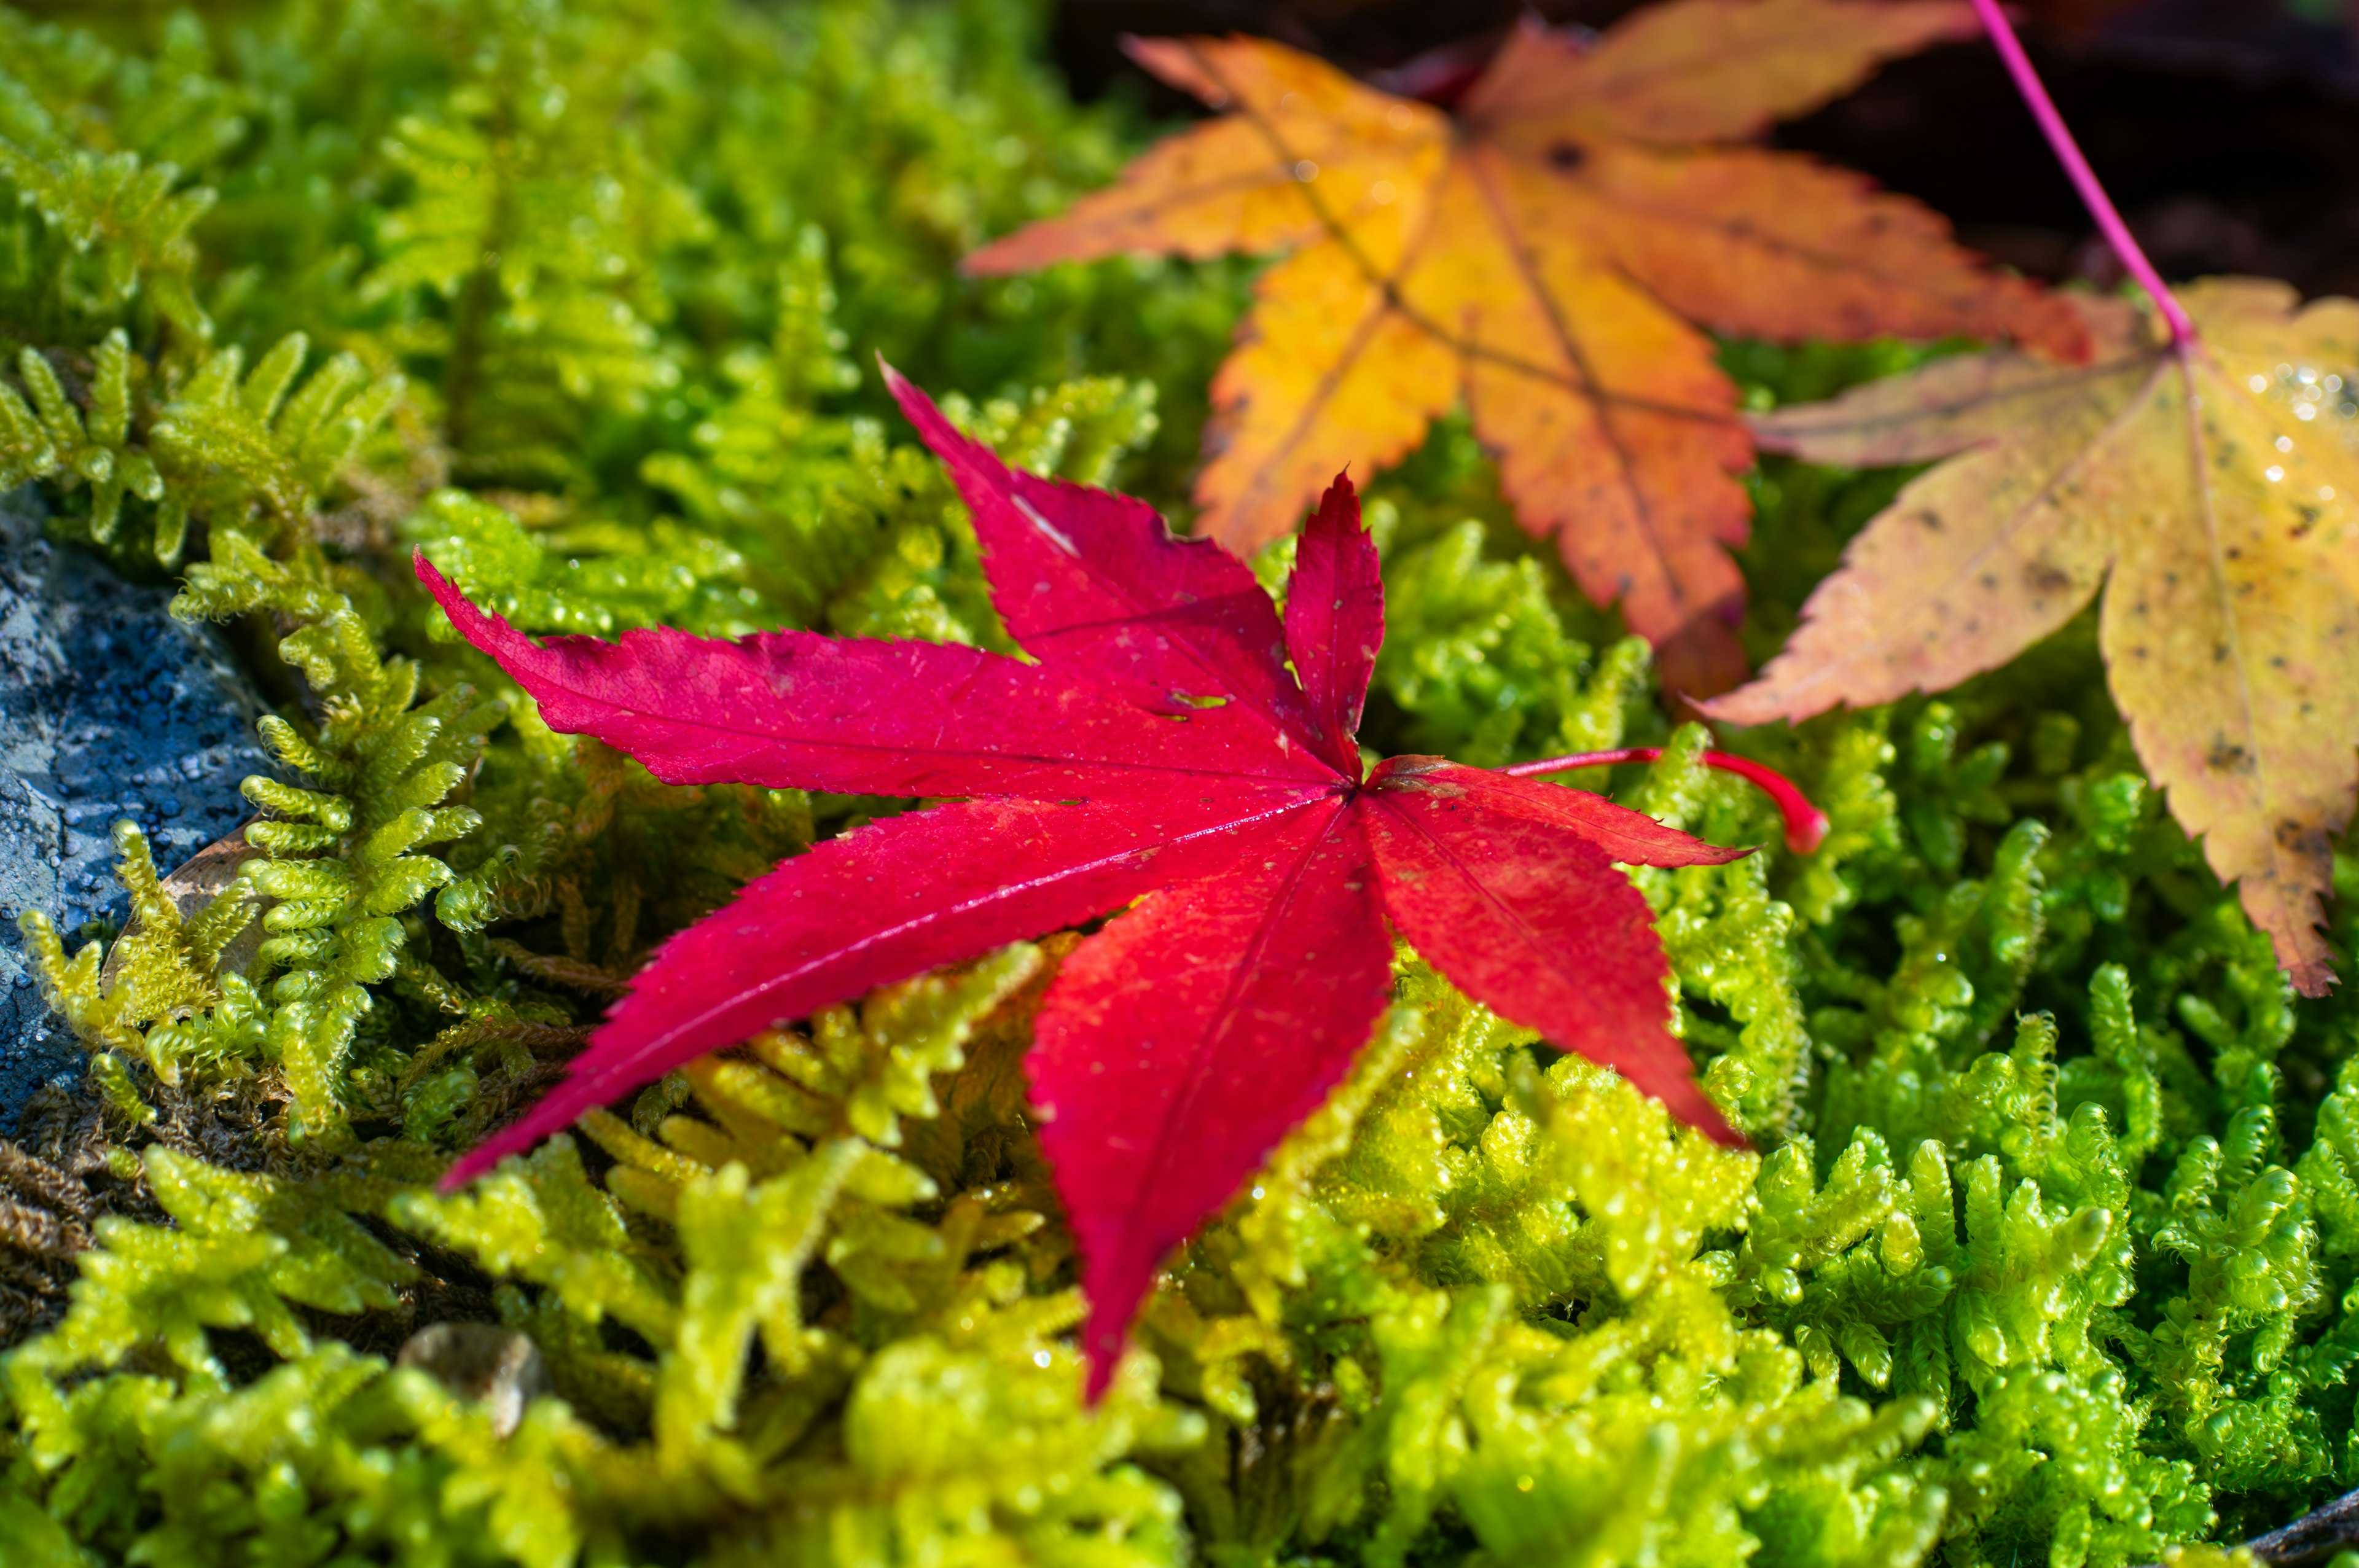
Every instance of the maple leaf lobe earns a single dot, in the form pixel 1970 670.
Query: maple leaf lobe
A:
pixel 1711 70
pixel 1107 587
pixel 1534 920
pixel 1335 621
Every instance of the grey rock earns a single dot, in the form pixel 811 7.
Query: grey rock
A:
pixel 500 1367
pixel 109 708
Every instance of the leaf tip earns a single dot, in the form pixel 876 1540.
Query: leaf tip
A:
pixel 552 1113
pixel 997 259
pixel 2313 978
pixel 464 1170
pixel 1116 1283
pixel 472 623
pixel 1101 1356
pixel 1339 508
pixel 1703 657
pixel 934 427
pixel 1695 1108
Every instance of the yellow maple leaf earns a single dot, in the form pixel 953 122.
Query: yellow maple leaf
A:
pixel 2212 487
pixel 1541 257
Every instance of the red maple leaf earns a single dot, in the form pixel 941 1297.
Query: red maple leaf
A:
pixel 1160 755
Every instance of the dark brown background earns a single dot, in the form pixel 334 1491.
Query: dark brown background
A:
pixel 2227 130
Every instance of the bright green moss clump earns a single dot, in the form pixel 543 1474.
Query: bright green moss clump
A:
pixel 2045 1261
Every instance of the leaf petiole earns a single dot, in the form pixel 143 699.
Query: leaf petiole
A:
pixel 1806 825
pixel 2084 178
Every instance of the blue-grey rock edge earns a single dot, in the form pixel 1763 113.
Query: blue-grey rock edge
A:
pixel 109 708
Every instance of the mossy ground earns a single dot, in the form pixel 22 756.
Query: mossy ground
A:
pixel 2045 1261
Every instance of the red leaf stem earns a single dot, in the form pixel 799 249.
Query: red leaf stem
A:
pixel 1806 825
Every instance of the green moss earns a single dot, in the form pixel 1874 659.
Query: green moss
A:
pixel 2044 1258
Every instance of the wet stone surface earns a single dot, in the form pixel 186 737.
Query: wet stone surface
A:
pixel 499 1367
pixel 109 708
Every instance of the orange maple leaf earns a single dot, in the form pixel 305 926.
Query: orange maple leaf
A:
pixel 1541 257
pixel 2213 487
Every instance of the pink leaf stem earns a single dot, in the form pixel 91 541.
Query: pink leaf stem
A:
pixel 2084 178
pixel 1806 825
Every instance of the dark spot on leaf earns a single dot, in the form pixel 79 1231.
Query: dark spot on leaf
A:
pixel 1566 156
pixel 2227 757
pixel 2305 839
pixel 2043 577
